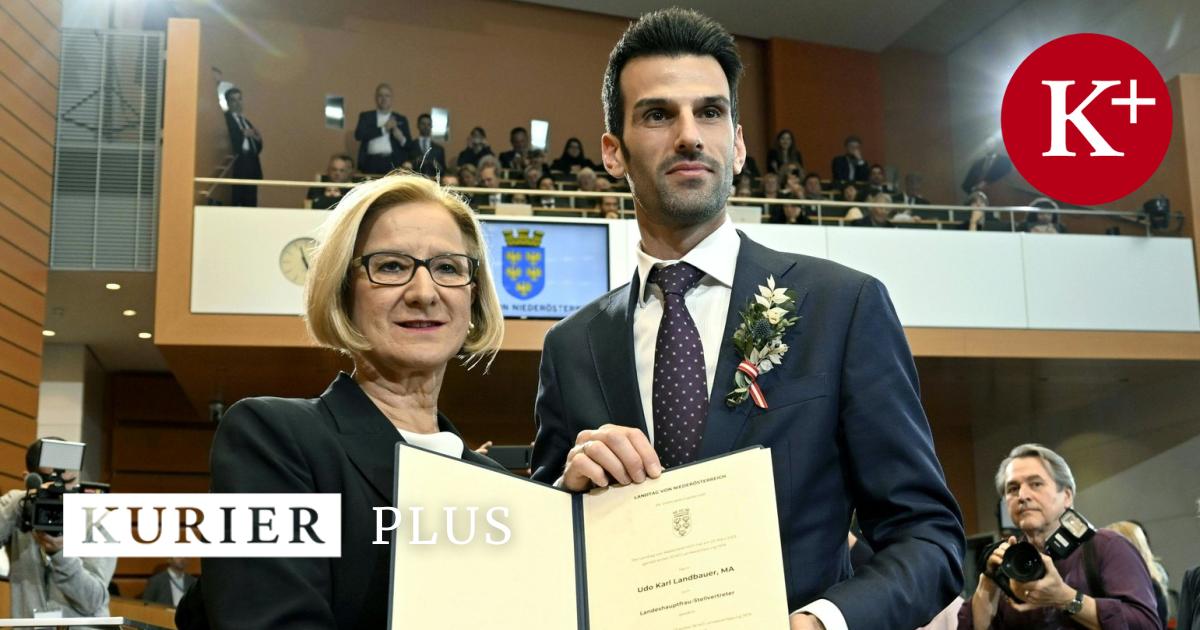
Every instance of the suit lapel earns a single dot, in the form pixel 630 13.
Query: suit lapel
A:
pixel 610 340
pixel 724 423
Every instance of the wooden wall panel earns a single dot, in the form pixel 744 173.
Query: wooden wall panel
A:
pixel 29 50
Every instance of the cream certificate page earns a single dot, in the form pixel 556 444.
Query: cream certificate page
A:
pixel 527 582
pixel 696 548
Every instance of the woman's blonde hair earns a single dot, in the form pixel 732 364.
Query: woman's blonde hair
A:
pixel 1134 534
pixel 327 292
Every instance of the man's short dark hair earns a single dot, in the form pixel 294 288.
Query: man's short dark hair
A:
pixel 811 176
pixel 850 139
pixel 33 454
pixel 424 117
pixel 478 130
pixel 344 157
pixel 517 130
pixel 670 32
pixel 231 91
pixel 876 166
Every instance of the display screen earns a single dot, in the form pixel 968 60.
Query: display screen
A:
pixel 545 270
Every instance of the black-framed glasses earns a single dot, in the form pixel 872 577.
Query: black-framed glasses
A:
pixel 396 269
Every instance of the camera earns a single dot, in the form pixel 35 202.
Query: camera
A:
pixel 1023 563
pixel 42 508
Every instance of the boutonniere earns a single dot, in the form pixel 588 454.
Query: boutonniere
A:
pixel 759 340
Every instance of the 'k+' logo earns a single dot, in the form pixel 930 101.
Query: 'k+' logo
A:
pixel 1086 119
pixel 524 263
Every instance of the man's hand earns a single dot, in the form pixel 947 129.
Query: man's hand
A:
pixel 390 124
pixel 610 453
pixel 805 621
pixel 1048 591
pixel 50 544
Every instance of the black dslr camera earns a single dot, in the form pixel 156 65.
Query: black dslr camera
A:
pixel 42 507
pixel 1023 563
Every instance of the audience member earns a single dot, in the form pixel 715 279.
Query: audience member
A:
pixel 603 183
pixel 42 578
pixel 850 166
pixel 849 192
pixel 515 158
pixel 489 177
pixel 1133 532
pixel 572 158
pixel 381 134
pixel 546 201
pixel 1043 222
pixel 337 172
pixel 536 158
pixel 246 143
pixel 877 180
pixel 428 156
pixel 477 148
pixel 743 188
pixel 468 176
pixel 450 179
pixel 783 153
pixel 793 187
pixel 979 221
pixel 992 166
pixel 877 215
pixel 1037 487
pixel 812 190
pixel 533 175
pixel 587 183
pixel 912 191
pixel 168 586
pixel 751 168
pixel 610 208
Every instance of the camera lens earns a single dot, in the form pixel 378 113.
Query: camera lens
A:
pixel 1023 563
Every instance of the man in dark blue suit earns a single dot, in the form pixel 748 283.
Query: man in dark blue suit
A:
pixel 637 380
pixel 382 135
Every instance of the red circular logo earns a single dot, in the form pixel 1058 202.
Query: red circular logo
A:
pixel 1086 119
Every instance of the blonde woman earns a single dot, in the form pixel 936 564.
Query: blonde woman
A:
pixel 1134 533
pixel 400 284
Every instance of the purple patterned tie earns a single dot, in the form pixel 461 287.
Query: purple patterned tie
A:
pixel 680 386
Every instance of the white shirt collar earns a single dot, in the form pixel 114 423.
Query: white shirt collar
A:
pixel 716 256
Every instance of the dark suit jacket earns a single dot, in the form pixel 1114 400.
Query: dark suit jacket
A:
pixel 338 443
pixel 1189 601
pixel 999 167
pixel 431 164
pixel 368 129
pixel 840 167
pixel 845 427
pixel 467 156
pixel 236 135
pixel 158 588
pixel 506 158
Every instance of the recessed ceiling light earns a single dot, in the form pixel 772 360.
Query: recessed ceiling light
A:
pixel 129 312
pixel 112 286
pixel 48 333
pixel 144 335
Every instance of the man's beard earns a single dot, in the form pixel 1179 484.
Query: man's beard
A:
pixel 688 205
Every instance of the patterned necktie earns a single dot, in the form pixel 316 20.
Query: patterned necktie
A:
pixel 680 401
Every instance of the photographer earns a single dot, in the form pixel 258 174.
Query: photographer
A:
pixel 44 581
pixel 1102 583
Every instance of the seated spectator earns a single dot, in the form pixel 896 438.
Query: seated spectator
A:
pixel 572 159
pixel 546 201
pixel 603 184
pixel 610 208
pixel 468 176
pixel 337 172
pixel 427 155
pixel 793 187
pixel 743 188
pixel 533 175
pixel 536 158
pixel 912 191
pixel 486 161
pixel 489 177
pixel 1115 591
pixel 515 157
pixel 168 586
pixel 1136 536
pixel 1043 222
pixel 788 214
pixel 477 148
pixel 850 166
pixel 849 192
pixel 877 215
pixel 783 153
pixel 587 183
pixel 518 197
pixel 812 190
pixel 979 221
pixel 877 180
pixel 450 180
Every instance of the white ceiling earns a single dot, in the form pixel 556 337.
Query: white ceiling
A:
pixel 80 310
pixel 872 25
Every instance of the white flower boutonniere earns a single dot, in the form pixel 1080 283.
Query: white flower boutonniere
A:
pixel 759 340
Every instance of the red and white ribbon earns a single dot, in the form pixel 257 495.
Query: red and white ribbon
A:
pixel 756 394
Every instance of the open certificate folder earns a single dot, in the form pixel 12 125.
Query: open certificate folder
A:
pixel 696 548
